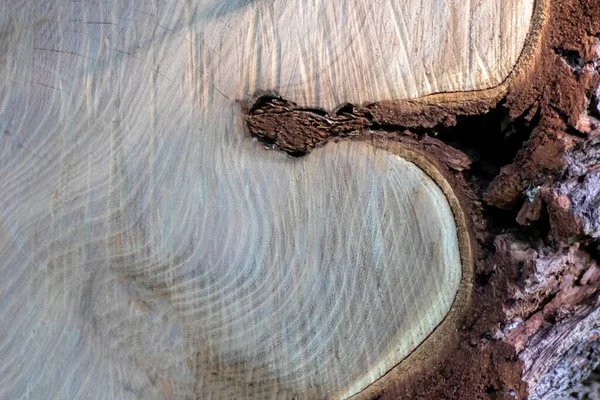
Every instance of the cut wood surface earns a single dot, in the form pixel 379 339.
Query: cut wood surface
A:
pixel 150 249
pixel 307 277
pixel 316 53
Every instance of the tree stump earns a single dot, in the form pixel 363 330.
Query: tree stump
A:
pixel 255 199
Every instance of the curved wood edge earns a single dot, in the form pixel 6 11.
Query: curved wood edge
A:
pixel 442 109
pixel 457 193
pixel 284 126
pixel 523 66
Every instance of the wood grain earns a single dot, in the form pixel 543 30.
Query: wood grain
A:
pixel 317 53
pixel 150 250
pixel 248 283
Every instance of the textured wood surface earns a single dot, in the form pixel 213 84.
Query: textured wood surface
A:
pixel 149 249
pixel 246 283
pixel 316 53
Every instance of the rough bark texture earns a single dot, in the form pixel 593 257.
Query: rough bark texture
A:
pixel 530 163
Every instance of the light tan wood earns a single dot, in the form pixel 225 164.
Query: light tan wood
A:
pixel 149 249
pixel 326 53
pixel 280 288
pixel 316 53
